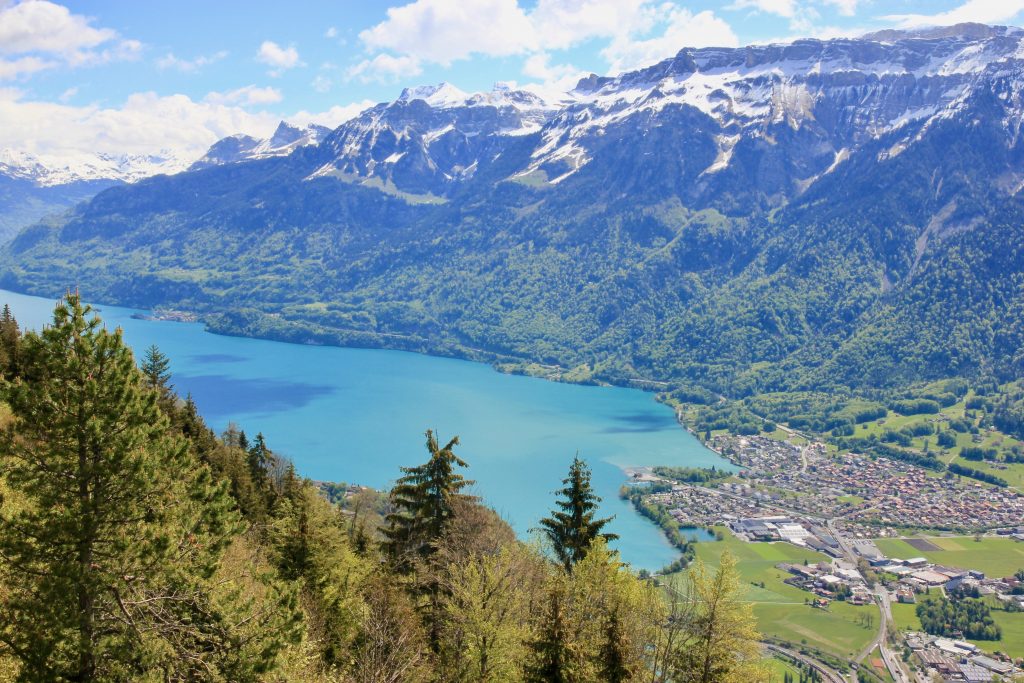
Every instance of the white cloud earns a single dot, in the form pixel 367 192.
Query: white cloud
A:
pixel 980 11
pixel 280 58
pixel 333 117
pixel 442 31
pixel 561 24
pixel 682 29
pixel 43 26
pixel 68 94
pixel 23 66
pixel 331 32
pixel 45 35
pixel 783 8
pixel 247 95
pixel 385 68
pixel 847 8
pixel 145 124
pixel 170 61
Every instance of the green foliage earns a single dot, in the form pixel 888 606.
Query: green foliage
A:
pixel 966 618
pixel 572 529
pixel 156 368
pixel 10 342
pixel 211 558
pixel 963 471
pixel 692 475
pixel 107 561
pixel 424 499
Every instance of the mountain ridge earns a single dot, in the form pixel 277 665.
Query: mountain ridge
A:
pixel 750 219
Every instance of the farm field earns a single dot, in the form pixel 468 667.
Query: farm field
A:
pixel 996 556
pixel 842 630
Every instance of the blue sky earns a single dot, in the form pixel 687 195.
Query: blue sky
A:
pixel 134 76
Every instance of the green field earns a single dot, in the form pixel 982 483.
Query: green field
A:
pixel 1012 642
pixel 905 618
pixel 997 557
pixel 780 608
pixel 1012 624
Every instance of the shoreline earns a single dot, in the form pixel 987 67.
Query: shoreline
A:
pixel 554 373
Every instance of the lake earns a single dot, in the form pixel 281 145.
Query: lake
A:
pixel 357 415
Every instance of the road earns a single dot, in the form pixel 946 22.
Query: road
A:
pixel 881 596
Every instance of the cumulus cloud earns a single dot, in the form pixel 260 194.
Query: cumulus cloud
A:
pixel 442 32
pixel 246 96
pixel 23 66
pixel 145 124
pixel 847 8
pixel 783 8
pixel 980 11
pixel 386 68
pixel 333 117
pixel 561 24
pixel 683 29
pixel 38 35
pixel 170 61
pixel 280 58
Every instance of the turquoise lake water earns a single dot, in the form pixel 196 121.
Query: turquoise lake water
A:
pixel 357 415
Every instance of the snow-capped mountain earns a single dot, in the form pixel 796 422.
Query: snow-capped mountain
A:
pixel 767 218
pixel 807 106
pixel 431 136
pixel 51 170
pixel 285 140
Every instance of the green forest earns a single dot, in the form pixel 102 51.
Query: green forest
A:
pixel 135 544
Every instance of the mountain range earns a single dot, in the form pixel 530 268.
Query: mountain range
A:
pixel 34 186
pixel 840 213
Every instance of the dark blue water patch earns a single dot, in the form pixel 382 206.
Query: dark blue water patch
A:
pixel 217 358
pixel 641 423
pixel 221 396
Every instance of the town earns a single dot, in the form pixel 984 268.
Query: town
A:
pixel 838 505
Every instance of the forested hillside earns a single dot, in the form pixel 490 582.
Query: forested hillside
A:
pixel 825 214
pixel 137 545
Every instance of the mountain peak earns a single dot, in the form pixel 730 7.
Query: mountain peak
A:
pixel 443 94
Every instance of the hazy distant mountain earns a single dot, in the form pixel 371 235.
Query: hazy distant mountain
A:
pixel 841 211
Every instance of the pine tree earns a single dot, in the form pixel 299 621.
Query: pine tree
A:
pixel 117 527
pixel 572 529
pixel 10 341
pixel 551 652
pixel 259 459
pixel 424 501
pixel 616 664
pixel 156 368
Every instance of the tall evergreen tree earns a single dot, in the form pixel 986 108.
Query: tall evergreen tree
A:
pixel 259 460
pixel 424 501
pixel 10 341
pixel 157 369
pixel 116 527
pixel 616 665
pixel 551 651
pixel 573 528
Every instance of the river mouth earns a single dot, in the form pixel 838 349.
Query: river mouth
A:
pixel 357 415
